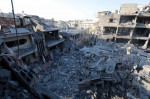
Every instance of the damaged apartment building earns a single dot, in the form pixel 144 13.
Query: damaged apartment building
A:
pixel 33 40
pixel 131 25
pixel 38 61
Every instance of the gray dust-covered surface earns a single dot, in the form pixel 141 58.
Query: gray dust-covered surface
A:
pixel 105 70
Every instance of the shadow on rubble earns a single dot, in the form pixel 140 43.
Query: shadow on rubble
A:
pixel 128 79
pixel 25 79
pixel 119 85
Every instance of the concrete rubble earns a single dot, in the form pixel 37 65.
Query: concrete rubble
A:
pixel 72 65
pixel 21 81
pixel 95 71
pixel 105 70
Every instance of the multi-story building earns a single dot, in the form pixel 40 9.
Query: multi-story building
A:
pixel 80 24
pixel 85 24
pixel 34 39
pixel 24 39
pixel 131 25
pixel 45 37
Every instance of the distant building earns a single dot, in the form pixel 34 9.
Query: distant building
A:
pixel 87 24
pixel 131 25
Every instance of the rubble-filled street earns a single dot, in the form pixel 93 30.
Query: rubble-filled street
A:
pixel 105 70
pixel 79 57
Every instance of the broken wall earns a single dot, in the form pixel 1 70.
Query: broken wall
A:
pixel 124 31
pixel 109 30
pixel 25 42
pixel 128 9
pixel 108 20
pixel 143 21
pixel 9 21
pixel 127 20
pixel 26 46
pixel 141 32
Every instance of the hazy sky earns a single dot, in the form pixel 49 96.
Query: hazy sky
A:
pixel 64 9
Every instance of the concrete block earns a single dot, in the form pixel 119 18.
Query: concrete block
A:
pixel 13 84
pixel 5 75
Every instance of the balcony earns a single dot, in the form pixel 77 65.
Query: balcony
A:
pixel 6 33
pixel 51 43
pixel 26 51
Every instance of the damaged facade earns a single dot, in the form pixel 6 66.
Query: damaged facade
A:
pixel 54 63
pixel 34 43
pixel 35 37
pixel 131 25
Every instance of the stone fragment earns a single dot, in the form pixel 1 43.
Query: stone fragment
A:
pixel 4 75
pixel 143 96
pixel 46 79
pixel 13 84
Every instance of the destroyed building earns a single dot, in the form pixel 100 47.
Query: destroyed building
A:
pixel 46 37
pixel 26 45
pixel 131 25
pixel 45 62
pixel 35 37
pixel 31 42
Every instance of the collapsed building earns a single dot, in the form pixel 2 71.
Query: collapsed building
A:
pixel 33 37
pixel 31 42
pixel 43 62
pixel 76 38
pixel 131 25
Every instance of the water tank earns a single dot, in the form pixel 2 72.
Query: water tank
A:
pixel 114 11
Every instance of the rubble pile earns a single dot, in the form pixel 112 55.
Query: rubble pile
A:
pixel 98 71
pixel 46 62
pixel 17 82
pixel 10 87
pixel 106 70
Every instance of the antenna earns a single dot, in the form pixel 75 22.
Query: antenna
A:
pixel 15 26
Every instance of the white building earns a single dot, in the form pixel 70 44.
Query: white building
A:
pixel 87 24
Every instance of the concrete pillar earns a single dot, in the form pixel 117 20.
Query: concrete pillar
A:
pixel 117 28
pixel 132 31
pixel 145 45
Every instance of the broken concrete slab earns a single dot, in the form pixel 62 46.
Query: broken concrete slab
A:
pixel 142 53
pixel 46 65
pixel 13 84
pixel 5 75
